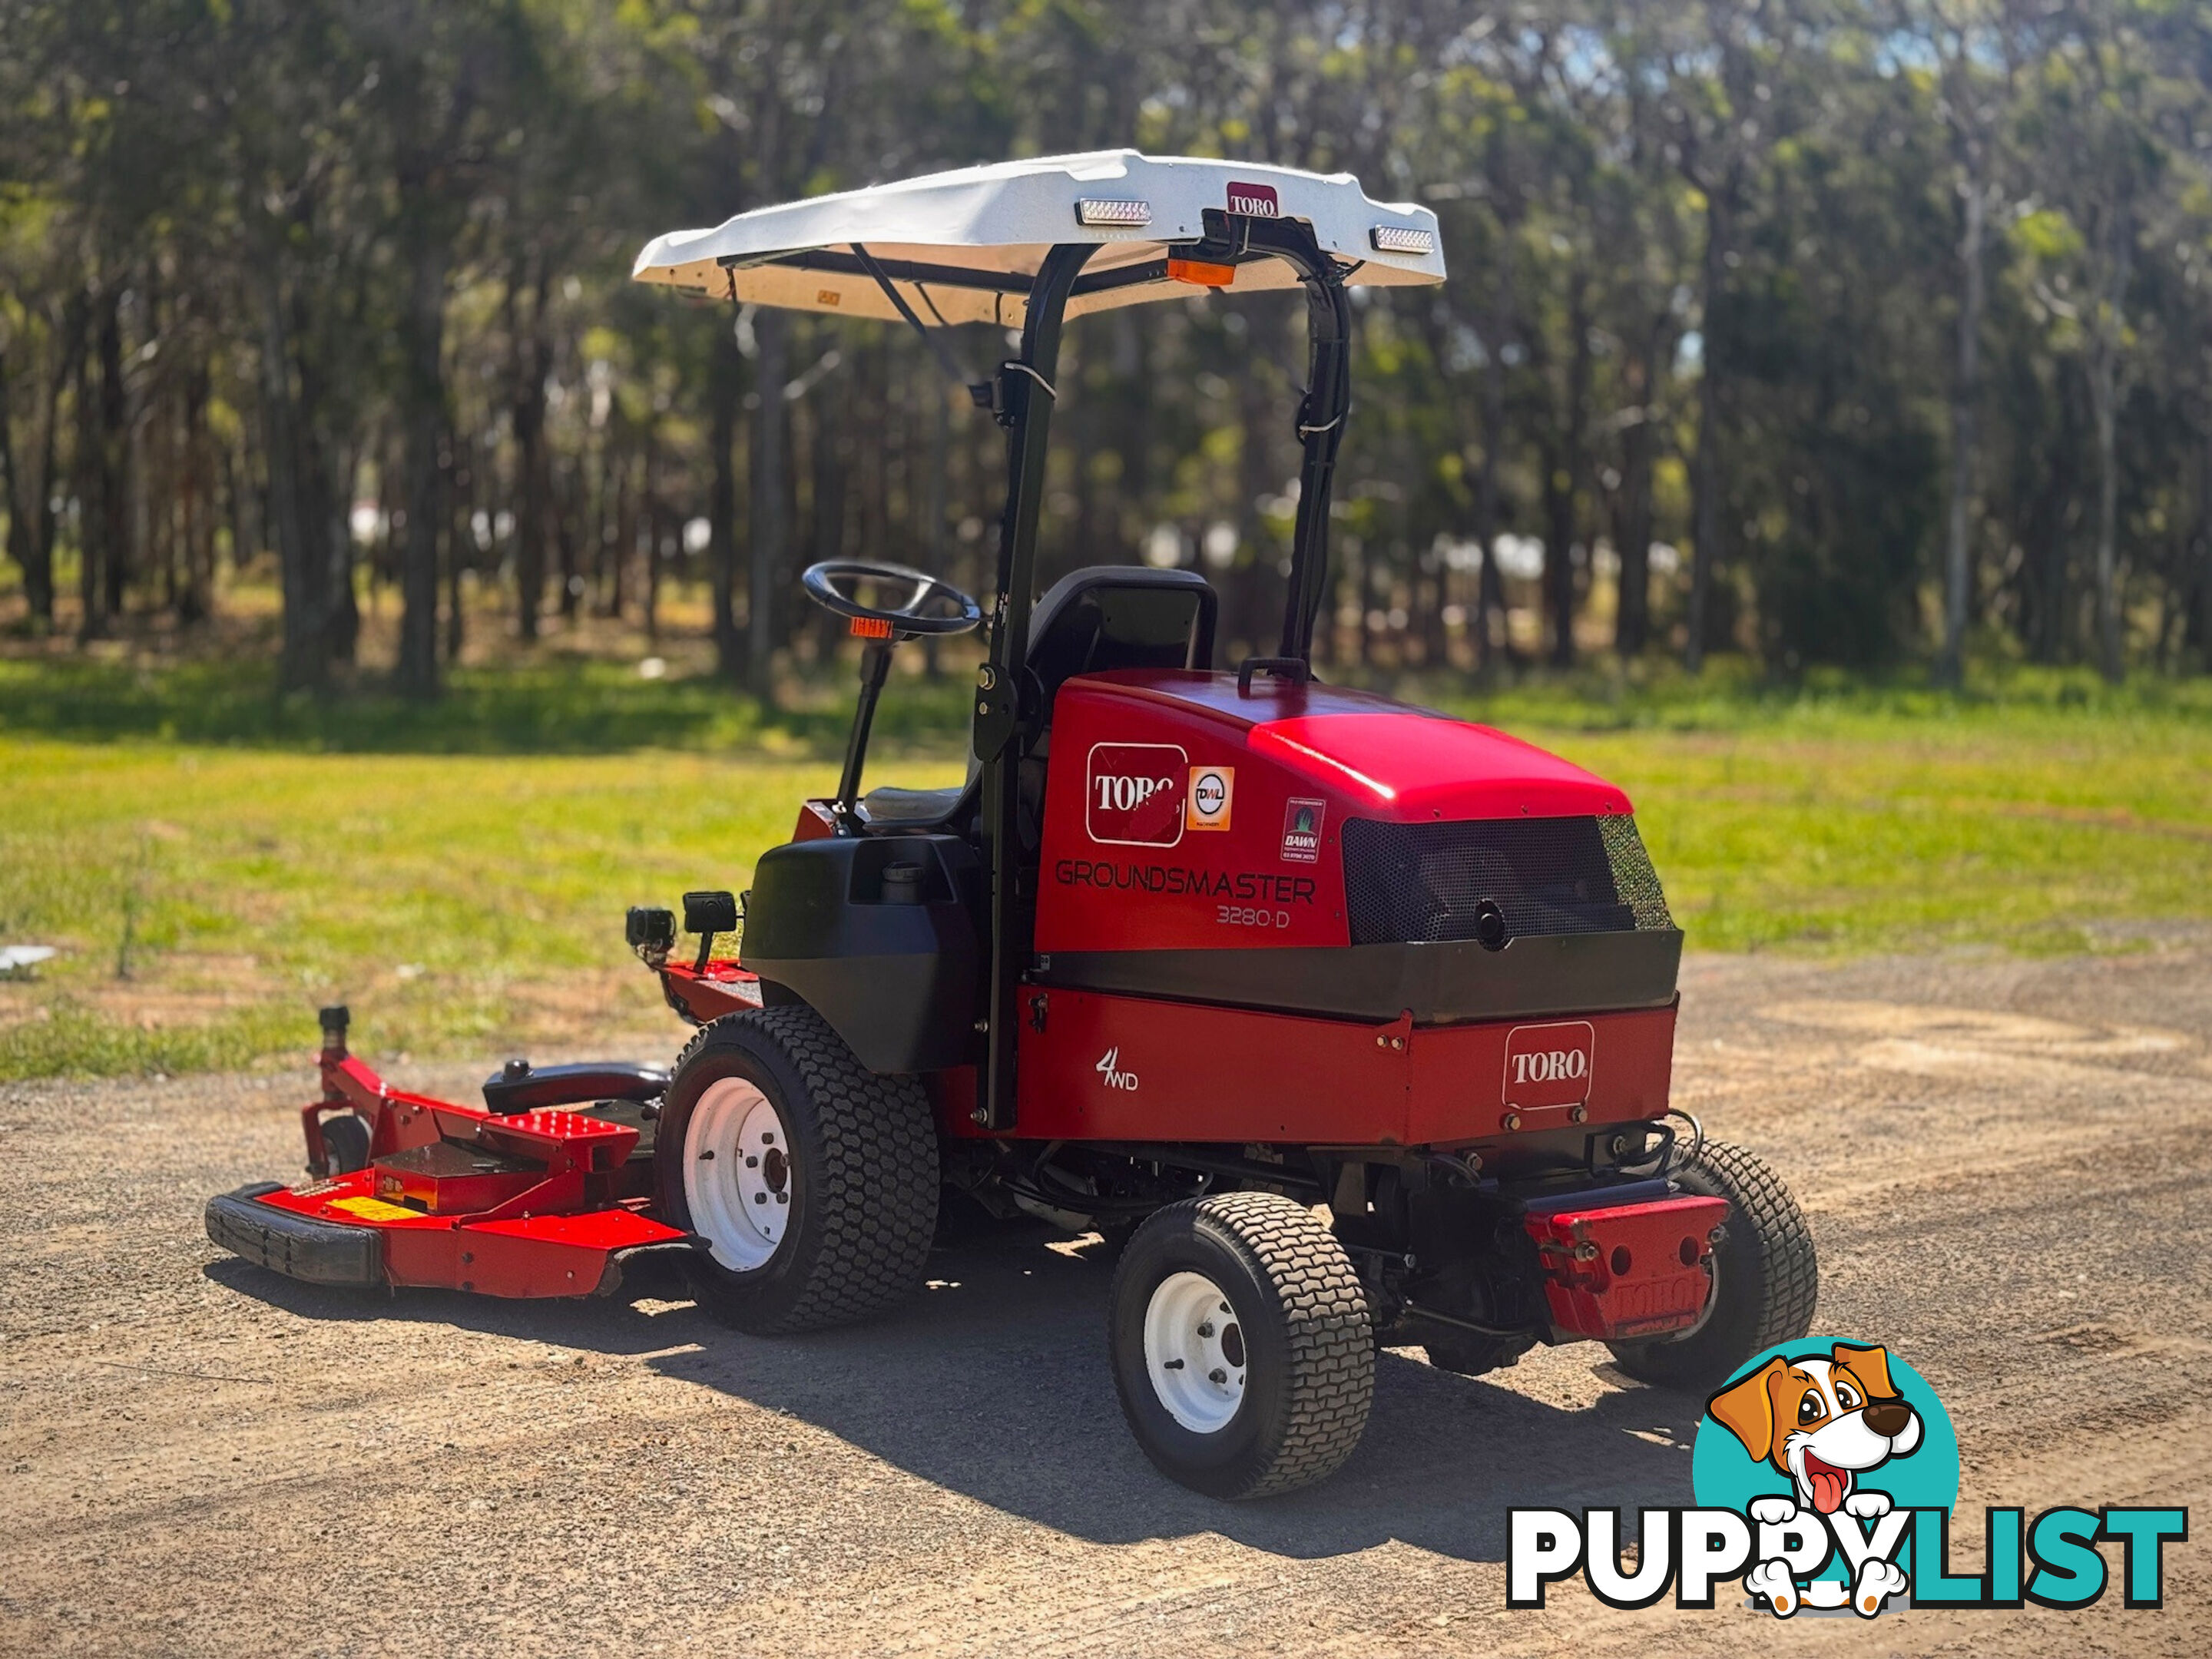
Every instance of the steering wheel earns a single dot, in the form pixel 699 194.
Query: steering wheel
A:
pixel 919 603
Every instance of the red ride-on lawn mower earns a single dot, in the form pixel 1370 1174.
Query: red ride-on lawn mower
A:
pixel 1350 1025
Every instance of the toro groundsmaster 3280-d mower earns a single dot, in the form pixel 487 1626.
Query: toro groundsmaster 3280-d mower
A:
pixel 1351 1024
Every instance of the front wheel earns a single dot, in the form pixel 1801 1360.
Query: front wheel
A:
pixel 345 1144
pixel 813 1181
pixel 1241 1344
pixel 1767 1278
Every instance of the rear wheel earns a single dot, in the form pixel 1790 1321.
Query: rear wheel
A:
pixel 812 1180
pixel 1241 1345
pixel 1766 1277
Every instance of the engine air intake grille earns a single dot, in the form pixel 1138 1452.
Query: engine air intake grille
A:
pixel 1421 883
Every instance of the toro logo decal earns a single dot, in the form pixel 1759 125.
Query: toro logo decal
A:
pixel 1550 1065
pixel 1212 790
pixel 1254 201
pixel 1131 794
pixel 1109 1067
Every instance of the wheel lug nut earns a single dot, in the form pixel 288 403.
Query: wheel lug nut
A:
pixel 752 1163
pixel 1207 1328
pixel 1217 1376
pixel 760 1198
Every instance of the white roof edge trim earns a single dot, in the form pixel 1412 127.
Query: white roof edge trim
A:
pixel 1002 218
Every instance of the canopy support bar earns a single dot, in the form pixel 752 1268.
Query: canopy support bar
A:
pixel 1007 716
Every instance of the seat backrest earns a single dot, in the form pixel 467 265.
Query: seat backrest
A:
pixel 1106 616
pixel 1102 617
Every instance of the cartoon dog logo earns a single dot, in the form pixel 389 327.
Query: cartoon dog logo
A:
pixel 1823 1421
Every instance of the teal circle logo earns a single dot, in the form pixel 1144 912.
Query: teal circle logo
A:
pixel 1824 1423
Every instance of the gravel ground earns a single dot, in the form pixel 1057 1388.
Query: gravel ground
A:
pixel 2004 1163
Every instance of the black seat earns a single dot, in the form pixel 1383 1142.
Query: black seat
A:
pixel 906 808
pixel 1102 617
pixel 1108 616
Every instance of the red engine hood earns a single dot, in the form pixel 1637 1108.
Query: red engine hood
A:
pixel 1394 761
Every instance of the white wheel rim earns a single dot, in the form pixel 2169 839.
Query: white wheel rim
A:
pixel 737 1174
pixel 1195 1352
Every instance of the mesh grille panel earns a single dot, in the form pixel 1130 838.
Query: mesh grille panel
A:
pixel 1421 883
pixel 1633 876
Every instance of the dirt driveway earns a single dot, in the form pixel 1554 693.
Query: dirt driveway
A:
pixel 2006 1164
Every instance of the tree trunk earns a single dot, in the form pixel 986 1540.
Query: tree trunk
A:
pixel 1632 630
pixel 765 496
pixel 1706 468
pixel 1563 475
pixel 532 362
pixel 423 416
pixel 88 487
pixel 827 493
pixel 933 502
pixel 114 463
pixel 650 511
pixel 623 511
pixel 1492 639
pixel 42 484
pixel 2204 550
pixel 301 665
pixel 456 479
pixel 565 491
pixel 38 582
pixel 725 371
pixel 196 600
pixel 1958 572
pixel 2106 336
pixel 1254 581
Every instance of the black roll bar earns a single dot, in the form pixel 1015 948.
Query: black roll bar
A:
pixel 1006 717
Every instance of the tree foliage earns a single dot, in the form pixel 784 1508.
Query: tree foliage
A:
pixel 1832 331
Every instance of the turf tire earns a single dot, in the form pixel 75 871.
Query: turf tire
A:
pixel 864 1178
pixel 345 1144
pixel 1767 1277
pixel 1306 1334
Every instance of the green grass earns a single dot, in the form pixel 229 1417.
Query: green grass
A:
pixel 216 862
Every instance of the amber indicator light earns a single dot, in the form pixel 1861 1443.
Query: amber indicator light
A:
pixel 1202 273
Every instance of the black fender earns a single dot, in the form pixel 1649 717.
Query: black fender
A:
pixel 893 966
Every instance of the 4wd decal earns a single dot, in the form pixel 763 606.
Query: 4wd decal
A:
pixel 1185 881
pixel 1302 825
pixel 1254 201
pixel 1109 1067
pixel 1132 794
pixel 1550 1065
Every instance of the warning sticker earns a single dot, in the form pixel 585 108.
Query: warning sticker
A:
pixel 375 1209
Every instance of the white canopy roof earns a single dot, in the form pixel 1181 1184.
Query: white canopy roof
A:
pixel 986 228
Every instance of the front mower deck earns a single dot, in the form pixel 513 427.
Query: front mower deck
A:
pixel 531 1203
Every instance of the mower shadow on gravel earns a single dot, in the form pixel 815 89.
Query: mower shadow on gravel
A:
pixel 987 1383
